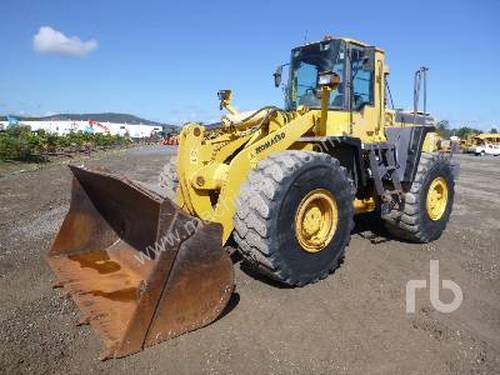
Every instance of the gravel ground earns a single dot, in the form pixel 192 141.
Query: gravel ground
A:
pixel 352 322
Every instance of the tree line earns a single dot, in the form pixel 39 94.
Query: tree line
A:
pixel 445 131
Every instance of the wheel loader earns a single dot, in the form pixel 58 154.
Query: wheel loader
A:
pixel 280 185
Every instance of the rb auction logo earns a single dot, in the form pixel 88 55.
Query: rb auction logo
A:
pixel 434 288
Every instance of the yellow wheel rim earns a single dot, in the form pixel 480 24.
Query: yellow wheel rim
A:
pixel 316 220
pixel 437 198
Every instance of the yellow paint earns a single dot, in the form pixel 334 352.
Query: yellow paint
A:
pixel 247 159
pixel 364 205
pixel 316 220
pixel 437 198
pixel 325 101
pixel 431 142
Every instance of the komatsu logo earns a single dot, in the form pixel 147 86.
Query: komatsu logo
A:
pixel 278 137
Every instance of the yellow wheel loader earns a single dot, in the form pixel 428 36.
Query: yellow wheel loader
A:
pixel 281 184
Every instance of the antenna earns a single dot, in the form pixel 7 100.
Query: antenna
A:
pixel 306 36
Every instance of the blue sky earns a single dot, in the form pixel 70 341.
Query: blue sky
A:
pixel 166 60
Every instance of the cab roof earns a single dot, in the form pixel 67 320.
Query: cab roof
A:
pixel 345 39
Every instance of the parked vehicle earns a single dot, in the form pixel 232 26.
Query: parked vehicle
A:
pixel 487 149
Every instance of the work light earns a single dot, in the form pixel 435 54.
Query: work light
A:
pixel 328 78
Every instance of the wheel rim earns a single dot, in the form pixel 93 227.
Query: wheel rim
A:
pixel 316 220
pixel 437 198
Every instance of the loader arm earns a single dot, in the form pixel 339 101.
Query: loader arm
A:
pixel 209 188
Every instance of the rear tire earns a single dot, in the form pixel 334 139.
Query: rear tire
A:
pixel 266 218
pixel 413 221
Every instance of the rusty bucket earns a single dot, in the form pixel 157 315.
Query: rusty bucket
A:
pixel 140 269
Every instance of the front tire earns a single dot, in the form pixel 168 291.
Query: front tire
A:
pixel 427 206
pixel 294 216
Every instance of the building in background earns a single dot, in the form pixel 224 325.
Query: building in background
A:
pixel 67 126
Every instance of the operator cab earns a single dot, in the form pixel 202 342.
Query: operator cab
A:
pixel 352 61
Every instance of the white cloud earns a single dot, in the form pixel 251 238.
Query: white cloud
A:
pixel 51 41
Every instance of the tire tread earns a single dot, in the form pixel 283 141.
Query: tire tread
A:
pixel 254 212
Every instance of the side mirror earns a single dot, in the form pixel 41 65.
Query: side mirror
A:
pixel 277 76
pixel 225 97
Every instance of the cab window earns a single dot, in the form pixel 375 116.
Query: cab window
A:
pixel 307 63
pixel 362 80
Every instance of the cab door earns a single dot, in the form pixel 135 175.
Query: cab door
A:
pixel 366 95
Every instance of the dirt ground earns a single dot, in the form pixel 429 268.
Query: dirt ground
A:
pixel 352 322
